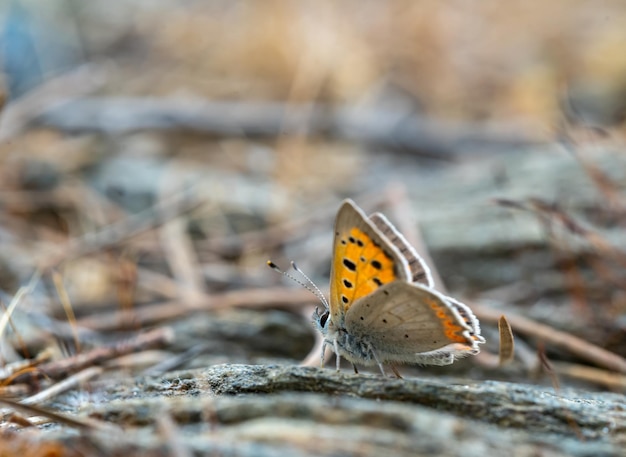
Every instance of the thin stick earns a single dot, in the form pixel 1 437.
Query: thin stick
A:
pixel 61 368
pixel 557 338
pixel 183 261
pixel 249 298
pixel 67 306
pixel 62 386
pixel 18 335
pixel 56 417
pixel 22 292
pixel 595 375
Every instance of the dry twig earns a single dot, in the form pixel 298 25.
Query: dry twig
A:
pixel 549 335
pixel 391 130
pixel 60 368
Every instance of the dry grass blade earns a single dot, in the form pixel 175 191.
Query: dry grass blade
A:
pixel 21 293
pixel 18 335
pixel 173 362
pixel 56 417
pixel 507 343
pixel 607 186
pixel 67 306
pixel 550 212
pixel 183 262
pixel 546 366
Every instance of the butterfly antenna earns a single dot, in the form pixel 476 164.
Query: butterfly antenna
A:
pixel 314 289
pixel 309 281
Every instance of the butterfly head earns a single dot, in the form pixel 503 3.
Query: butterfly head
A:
pixel 322 320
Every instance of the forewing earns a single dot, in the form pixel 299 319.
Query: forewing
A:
pixel 420 272
pixel 402 320
pixel 363 260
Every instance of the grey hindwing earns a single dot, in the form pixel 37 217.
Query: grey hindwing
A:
pixel 397 319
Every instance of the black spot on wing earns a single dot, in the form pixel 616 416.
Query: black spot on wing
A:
pixel 347 284
pixel 349 264
pixel 376 264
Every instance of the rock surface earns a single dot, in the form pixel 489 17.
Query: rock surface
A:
pixel 249 410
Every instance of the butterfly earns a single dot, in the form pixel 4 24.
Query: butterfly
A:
pixel 383 307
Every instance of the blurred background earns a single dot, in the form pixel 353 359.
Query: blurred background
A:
pixel 154 154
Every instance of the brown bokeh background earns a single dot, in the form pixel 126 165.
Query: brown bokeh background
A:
pixel 514 181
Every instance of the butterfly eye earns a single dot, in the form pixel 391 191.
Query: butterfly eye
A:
pixel 324 318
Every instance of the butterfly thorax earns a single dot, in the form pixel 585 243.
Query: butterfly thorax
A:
pixel 355 350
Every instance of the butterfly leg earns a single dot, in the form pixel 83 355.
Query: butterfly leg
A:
pixel 337 357
pixel 380 365
pixel 323 354
pixel 356 371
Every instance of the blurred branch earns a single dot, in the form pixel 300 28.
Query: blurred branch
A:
pixel 551 336
pixel 386 129
pixel 261 298
pixel 112 234
pixel 16 116
pixel 69 383
pixel 60 368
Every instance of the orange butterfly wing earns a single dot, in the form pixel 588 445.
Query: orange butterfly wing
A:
pixel 363 260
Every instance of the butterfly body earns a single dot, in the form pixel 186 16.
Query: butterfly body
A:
pixel 383 308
